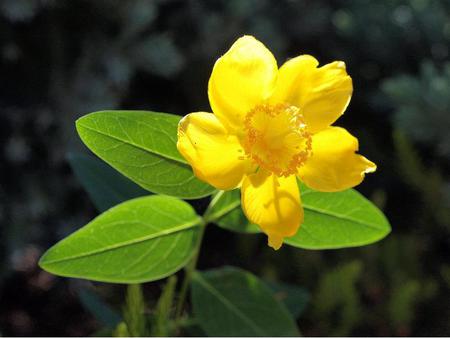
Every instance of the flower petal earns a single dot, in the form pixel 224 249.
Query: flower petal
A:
pixel 322 93
pixel 334 166
pixel 214 154
pixel 240 79
pixel 273 203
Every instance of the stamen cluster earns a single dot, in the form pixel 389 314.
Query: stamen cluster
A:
pixel 276 138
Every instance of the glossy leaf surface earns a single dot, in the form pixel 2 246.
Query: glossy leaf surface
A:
pixel 338 220
pixel 142 146
pixel 332 220
pixel 140 240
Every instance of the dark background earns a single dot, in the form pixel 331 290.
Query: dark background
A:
pixel 62 59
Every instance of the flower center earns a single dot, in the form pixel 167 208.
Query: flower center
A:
pixel 277 138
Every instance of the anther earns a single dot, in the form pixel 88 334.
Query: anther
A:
pixel 277 138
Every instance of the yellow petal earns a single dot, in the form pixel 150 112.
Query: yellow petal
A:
pixel 334 166
pixel 214 154
pixel 321 93
pixel 273 203
pixel 240 79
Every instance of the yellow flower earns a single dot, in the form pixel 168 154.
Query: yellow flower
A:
pixel 271 126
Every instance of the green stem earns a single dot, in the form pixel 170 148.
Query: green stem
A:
pixel 207 215
pixel 190 268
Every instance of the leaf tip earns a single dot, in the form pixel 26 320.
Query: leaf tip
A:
pixel 43 262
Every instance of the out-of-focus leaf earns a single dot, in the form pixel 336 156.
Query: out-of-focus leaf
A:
pixel 403 301
pixel 142 146
pixel 105 186
pixel 140 240
pixel 415 173
pixel 294 297
pixel 95 305
pixel 233 302
pixel 337 294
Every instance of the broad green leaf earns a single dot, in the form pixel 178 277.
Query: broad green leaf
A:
pixel 294 297
pixel 140 240
pixel 338 220
pixel 105 186
pixel 226 212
pixel 142 146
pixel 233 302
pixel 332 220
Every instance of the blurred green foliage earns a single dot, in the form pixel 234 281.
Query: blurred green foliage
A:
pixel 337 294
pixel 134 312
pixel 422 104
pixel 160 322
pixel 61 59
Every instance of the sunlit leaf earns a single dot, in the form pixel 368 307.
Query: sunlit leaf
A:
pixel 142 146
pixel 233 302
pixel 140 240
pixel 338 220
pixel 332 220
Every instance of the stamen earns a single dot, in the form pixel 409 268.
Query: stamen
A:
pixel 277 138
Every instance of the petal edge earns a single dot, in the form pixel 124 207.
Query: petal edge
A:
pixel 273 203
pixel 214 154
pixel 322 93
pixel 334 164
pixel 243 77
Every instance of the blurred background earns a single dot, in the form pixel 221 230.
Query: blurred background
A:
pixel 62 59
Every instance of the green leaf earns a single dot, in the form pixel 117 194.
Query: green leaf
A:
pixel 105 186
pixel 140 240
pixel 332 220
pixel 338 220
pixel 233 302
pixel 294 297
pixel 226 212
pixel 142 146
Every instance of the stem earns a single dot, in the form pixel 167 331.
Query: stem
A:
pixel 211 205
pixel 190 268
